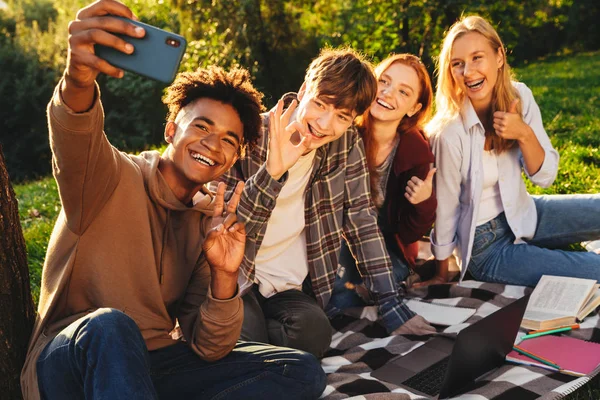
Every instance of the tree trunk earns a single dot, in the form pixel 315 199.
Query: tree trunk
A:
pixel 16 310
pixel 405 27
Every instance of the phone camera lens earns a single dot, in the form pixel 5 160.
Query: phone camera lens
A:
pixel 172 42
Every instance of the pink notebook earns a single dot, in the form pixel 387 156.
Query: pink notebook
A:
pixel 574 356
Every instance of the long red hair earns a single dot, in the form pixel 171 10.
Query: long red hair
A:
pixel 416 121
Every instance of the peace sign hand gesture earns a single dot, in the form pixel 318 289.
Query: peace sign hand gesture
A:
pixel 283 154
pixel 226 240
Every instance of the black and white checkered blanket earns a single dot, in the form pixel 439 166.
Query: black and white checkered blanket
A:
pixel 360 346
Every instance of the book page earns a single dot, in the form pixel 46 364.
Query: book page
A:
pixel 591 305
pixel 440 314
pixel 544 316
pixel 559 296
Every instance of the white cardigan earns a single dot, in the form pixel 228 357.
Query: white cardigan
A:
pixel 458 150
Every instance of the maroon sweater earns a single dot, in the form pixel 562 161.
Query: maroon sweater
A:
pixel 409 222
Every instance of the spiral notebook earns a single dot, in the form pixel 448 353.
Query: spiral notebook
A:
pixel 440 314
pixel 573 356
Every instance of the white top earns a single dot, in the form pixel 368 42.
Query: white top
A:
pixel 458 150
pixel 491 202
pixel 281 261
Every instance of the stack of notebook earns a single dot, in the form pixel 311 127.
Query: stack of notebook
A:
pixel 558 353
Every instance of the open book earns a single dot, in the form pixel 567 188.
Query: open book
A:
pixel 558 301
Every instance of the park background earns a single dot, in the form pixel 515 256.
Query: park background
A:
pixel 553 45
pixel 274 39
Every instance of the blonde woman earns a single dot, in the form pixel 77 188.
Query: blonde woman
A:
pixel 487 130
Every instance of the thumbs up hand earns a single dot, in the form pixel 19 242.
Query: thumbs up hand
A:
pixel 418 190
pixel 509 124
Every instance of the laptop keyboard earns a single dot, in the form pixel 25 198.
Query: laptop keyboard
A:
pixel 430 380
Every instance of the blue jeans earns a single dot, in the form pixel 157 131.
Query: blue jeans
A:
pixel 103 356
pixel 562 220
pixel 342 297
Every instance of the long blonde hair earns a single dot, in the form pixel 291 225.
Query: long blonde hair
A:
pixel 449 96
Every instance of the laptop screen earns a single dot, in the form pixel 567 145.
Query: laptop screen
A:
pixel 483 346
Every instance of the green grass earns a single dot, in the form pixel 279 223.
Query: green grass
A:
pixel 39 206
pixel 566 87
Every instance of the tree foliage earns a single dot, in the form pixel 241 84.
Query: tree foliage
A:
pixel 274 39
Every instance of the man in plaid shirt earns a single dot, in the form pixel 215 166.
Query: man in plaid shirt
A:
pixel 306 186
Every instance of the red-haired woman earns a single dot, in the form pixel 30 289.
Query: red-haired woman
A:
pixel 399 161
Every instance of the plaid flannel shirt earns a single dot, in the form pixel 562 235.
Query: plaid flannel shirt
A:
pixel 337 200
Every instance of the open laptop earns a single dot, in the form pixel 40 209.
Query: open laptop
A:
pixel 442 367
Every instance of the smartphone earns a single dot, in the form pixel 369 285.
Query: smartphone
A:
pixel 157 55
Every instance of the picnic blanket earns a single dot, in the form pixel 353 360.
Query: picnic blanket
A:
pixel 361 345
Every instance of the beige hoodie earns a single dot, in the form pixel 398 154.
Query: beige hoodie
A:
pixel 123 240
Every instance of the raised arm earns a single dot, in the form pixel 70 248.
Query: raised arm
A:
pixel 263 186
pixel 259 195
pixel 94 25
pixel 538 157
pixel 546 173
pixel 85 165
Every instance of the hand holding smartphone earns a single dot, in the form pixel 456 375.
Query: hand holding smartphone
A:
pixel 156 55
pixel 111 27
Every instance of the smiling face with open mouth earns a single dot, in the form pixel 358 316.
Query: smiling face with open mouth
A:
pixel 475 66
pixel 321 119
pixel 204 143
pixel 397 94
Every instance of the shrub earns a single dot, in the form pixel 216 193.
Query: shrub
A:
pixel 26 86
pixel 33 46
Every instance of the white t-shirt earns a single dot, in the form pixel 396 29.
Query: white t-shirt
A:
pixel 281 262
pixel 490 205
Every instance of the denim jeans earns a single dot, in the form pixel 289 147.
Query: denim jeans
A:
pixel 342 297
pixel 562 220
pixel 103 356
pixel 291 318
